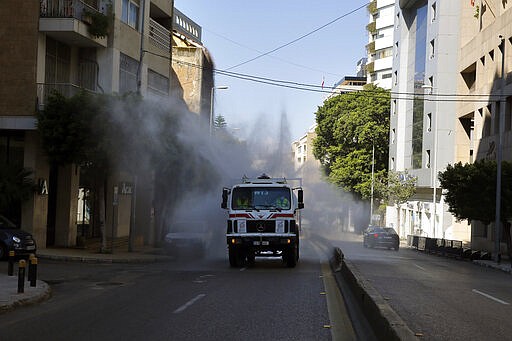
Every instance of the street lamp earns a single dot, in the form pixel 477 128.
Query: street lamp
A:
pixel 371 195
pixel 499 156
pixel 223 87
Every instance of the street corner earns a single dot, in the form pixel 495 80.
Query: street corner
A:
pixel 10 298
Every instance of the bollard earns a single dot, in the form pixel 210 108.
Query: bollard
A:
pixel 10 267
pixel 21 276
pixel 32 270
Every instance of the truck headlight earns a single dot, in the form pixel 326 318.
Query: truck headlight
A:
pixel 280 226
pixel 16 239
pixel 242 226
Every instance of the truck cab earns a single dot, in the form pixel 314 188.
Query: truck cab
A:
pixel 263 219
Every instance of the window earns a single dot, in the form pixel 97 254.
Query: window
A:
pixel 127 74
pixel 432 49
pixel 130 14
pixel 158 84
pixel 393 135
pixel 433 11
pixel 429 122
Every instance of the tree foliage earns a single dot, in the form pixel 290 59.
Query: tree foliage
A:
pixel 470 190
pixel 220 122
pixel 348 127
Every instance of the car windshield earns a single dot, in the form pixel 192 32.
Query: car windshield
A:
pixel 261 198
pixel 389 230
pixel 6 223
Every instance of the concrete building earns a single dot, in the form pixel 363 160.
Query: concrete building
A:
pixel 485 48
pixel 380 42
pixel 426 133
pixel 51 45
pixel 347 84
pixel 302 149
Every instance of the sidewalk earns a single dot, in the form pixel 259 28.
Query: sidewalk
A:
pixel 10 299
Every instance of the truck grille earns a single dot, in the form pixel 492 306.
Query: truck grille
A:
pixel 261 226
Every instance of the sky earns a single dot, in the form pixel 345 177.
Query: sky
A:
pixel 235 32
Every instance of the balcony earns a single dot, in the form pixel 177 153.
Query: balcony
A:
pixel 159 36
pixel 44 90
pixel 67 21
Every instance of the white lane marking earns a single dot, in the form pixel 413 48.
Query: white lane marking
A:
pixel 189 303
pixel 420 267
pixel 490 297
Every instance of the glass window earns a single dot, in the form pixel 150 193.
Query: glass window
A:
pixel 130 13
pixel 261 198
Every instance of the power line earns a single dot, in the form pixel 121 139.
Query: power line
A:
pixel 275 57
pixel 484 98
pixel 297 39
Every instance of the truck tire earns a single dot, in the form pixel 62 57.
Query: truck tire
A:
pixel 233 255
pixel 292 255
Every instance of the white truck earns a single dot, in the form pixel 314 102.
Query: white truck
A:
pixel 264 219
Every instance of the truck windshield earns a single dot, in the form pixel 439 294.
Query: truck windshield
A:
pixel 257 198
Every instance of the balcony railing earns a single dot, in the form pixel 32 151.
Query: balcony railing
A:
pixel 159 36
pixel 67 8
pixel 44 90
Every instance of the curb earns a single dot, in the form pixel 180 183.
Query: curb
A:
pixel 45 294
pixel 98 260
pixel 385 322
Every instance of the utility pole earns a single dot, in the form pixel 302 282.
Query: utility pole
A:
pixel 499 156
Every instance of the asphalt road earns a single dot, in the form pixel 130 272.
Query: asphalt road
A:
pixel 185 300
pixel 439 298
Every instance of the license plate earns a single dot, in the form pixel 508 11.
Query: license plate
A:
pixel 264 242
pixel 256 243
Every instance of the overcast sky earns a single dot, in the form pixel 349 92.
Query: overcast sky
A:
pixel 235 32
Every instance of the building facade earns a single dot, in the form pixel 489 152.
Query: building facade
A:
pixel 62 46
pixel 380 42
pixel 485 75
pixel 425 132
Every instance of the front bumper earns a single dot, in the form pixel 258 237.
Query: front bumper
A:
pixel 262 241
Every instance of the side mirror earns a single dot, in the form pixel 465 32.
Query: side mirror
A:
pixel 300 199
pixel 224 203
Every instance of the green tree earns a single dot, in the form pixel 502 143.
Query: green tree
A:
pixel 400 187
pixel 470 192
pixel 349 126
pixel 220 122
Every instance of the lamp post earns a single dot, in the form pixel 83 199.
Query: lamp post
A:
pixel 223 87
pixel 499 156
pixel 371 194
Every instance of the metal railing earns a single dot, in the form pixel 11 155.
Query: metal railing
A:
pixel 44 90
pixel 66 8
pixel 159 36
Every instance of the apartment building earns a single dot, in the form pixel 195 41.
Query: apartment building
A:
pixel 302 149
pixel 426 133
pixel 485 76
pixel 64 46
pixel 380 42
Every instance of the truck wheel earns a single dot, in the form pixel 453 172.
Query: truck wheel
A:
pixel 291 257
pixel 233 255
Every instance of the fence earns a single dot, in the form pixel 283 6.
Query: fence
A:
pixel 446 247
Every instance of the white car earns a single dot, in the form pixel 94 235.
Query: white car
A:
pixel 187 238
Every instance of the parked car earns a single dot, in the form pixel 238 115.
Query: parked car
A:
pixel 187 238
pixel 14 238
pixel 378 236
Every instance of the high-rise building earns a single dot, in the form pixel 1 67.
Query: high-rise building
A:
pixel 380 42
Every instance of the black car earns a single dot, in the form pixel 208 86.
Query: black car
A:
pixel 377 236
pixel 13 238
